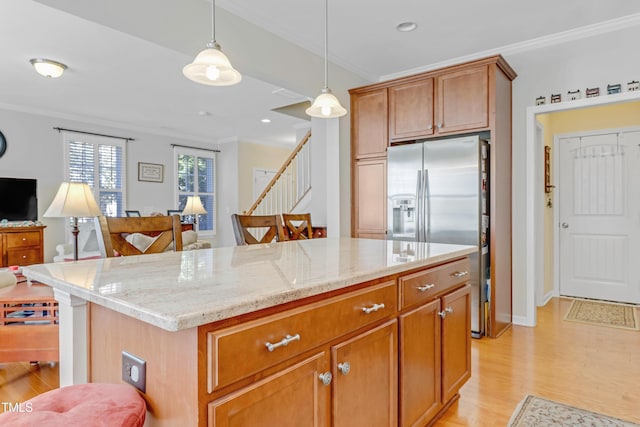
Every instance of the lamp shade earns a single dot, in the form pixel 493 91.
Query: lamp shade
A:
pixel 326 106
pixel 212 67
pixel 194 206
pixel 74 199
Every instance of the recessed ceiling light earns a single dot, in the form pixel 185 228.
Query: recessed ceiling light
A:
pixel 48 67
pixel 406 26
pixel 266 120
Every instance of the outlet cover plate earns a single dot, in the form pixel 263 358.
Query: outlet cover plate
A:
pixel 134 371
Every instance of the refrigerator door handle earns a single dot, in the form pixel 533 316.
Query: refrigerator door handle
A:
pixel 419 206
pixel 426 207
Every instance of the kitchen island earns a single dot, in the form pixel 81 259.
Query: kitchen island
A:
pixel 320 332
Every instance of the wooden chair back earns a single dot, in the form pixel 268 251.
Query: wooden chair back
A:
pixel 302 230
pixel 243 225
pixel 113 232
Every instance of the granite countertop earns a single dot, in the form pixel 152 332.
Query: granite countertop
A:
pixel 181 290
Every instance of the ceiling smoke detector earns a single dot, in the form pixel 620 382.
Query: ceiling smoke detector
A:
pixel 405 27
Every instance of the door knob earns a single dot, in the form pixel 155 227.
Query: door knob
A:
pixel 564 225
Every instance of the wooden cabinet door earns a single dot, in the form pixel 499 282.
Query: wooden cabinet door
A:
pixel 411 110
pixel 365 394
pixel 293 397
pixel 462 100
pixel 420 375
pixel 369 124
pixel 456 341
pixel 370 198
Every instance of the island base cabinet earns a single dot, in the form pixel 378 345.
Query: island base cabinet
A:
pixel 365 379
pixel 420 367
pixel 456 341
pixel 293 397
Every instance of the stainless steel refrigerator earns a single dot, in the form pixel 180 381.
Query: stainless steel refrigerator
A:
pixel 438 192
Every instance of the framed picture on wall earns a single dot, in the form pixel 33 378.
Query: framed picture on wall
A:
pixel 151 172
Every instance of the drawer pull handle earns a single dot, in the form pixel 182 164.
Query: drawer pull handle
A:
pixel 425 288
pixel 326 378
pixel 344 368
pixel 446 311
pixel 460 274
pixel 374 307
pixel 283 343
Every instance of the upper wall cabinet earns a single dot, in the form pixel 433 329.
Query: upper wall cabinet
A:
pixel 369 124
pixel 460 103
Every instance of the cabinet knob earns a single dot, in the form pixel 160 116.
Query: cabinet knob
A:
pixel 24 239
pixel 326 378
pixel 374 307
pixel 425 288
pixel 430 126
pixel 439 125
pixel 24 257
pixel 344 368
pixel 283 342
pixel 446 311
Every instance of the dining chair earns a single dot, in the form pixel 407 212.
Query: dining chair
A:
pixel 254 229
pixel 298 226
pixel 138 235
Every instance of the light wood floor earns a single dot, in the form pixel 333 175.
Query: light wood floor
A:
pixel 593 367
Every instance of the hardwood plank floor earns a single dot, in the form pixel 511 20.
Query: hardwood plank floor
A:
pixel 592 367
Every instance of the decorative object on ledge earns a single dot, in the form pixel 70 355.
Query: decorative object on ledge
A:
pixel 541 100
pixel 593 92
pixel 132 213
pixel 74 199
pixel 616 88
pixel 150 172
pixel 574 94
pixel 633 86
pixel 556 98
pixel 547 170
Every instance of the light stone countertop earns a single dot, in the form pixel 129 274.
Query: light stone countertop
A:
pixel 181 290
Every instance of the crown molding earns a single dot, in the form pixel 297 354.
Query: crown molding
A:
pixel 583 32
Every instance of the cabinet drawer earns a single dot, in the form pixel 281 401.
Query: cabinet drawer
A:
pixel 236 352
pixel 18 240
pixel 24 256
pixel 417 288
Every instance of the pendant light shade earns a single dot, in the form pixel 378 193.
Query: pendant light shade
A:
pixel 326 105
pixel 211 66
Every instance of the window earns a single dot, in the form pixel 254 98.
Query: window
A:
pixel 195 176
pixel 98 161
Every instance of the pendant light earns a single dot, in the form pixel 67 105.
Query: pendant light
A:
pixel 211 66
pixel 326 105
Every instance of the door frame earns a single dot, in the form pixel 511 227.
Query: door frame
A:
pixel 534 248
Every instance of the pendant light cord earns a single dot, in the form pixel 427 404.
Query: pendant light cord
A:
pixel 326 44
pixel 213 21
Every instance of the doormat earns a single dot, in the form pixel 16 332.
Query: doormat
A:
pixel 538 412
pixel 603 313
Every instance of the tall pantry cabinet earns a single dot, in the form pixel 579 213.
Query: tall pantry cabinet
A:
pixel 474 97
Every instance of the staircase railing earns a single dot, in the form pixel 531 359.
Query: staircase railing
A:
pixel 289 185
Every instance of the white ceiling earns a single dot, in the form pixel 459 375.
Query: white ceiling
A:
pixel 132 81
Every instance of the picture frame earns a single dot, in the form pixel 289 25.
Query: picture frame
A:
pixel 132 213
pixel 150 172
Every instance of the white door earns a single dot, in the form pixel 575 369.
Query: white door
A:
pixel 599 221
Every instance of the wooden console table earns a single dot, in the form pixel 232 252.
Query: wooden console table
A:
pixel 28 324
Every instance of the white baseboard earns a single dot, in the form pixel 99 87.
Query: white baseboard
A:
pixel 547 297
pixel 521 321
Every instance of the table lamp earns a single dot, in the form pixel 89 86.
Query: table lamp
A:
pixel 73 200
pixel 194 207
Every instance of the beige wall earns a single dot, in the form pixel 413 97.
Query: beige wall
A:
pixel 588 119
pixel 255 156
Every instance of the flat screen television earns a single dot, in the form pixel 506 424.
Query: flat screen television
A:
pixel 18 199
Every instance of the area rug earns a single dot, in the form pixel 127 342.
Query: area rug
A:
pixel 603 313
pixel 538 412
